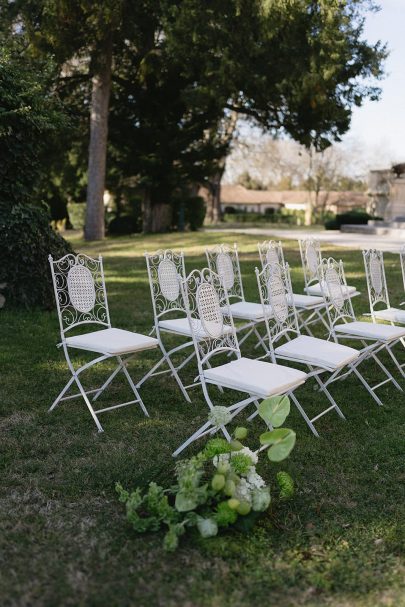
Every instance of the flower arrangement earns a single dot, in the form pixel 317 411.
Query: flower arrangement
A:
pixel 217 487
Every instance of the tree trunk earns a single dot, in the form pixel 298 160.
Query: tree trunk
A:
pixel 213 185
pixel 100 95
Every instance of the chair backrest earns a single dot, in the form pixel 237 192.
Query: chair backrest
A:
pixel 276 297
pixel 311 257
pixel 80 293
pixel 402 260
pixel 164 268
pixel 224 261
pixel 210 319
pixel 270 251
pixel 333 284
pixel 376 280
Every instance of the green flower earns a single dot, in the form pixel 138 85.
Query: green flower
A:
pixel 224 515
pixel 219 416
pixel 241 463
pixel 217 446
pixel 286 484
pixel 207 527
pixel 261 499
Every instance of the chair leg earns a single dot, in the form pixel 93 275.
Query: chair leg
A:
pixel 58 398
pixel 304 415
pixel 328 395
pixel 390 352
pixel 387 373
pixel 86 400
pixel 366 385
pixel 131 383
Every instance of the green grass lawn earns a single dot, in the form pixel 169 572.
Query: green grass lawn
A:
pixel 64 539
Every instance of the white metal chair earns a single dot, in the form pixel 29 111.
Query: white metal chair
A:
pixel 311 258
pixel 378 295
pixel 224 261
pixel 308 307
pixel 164 268
pixel 402 260
pixel 344 325
pixel 377 289
pixel 213 331
pixel 286 342
pixel 81 299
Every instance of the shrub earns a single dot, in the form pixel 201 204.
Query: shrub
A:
pixel 194 211
pixel 77 214
pixel 123 225
pixel 356 217
pixel 26 241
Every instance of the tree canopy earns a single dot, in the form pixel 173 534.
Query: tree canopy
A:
pixel 170 76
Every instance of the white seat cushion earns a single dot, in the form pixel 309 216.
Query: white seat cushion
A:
pixel 391 314
pixel 371 330
pixel 181 327
pixel 256 377
pixel 316 290
pixel 112 341
pixel 247 310
pixel 307 301
pixel 176 325
pixel 318 352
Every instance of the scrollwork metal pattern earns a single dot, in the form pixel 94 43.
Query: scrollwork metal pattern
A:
pixel 276 296
pixel 271 252
pixel 224 261
pixel 209 314
pixel 80 291
pixel 310 249
pixel 375 274
pixel 334 285
pixel 164 269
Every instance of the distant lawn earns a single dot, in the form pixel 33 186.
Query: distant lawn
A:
pixel 64 539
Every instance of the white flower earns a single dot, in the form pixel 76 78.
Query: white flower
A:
pixel 219 416
pixel 254 480
pixel 207 527
pixel 261 499
pixel 242 492
pixel 223 458
pixel 249 453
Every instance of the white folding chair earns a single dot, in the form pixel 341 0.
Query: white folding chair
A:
pixel 308 307
pixel 311 258
pixel 344 326
pixel 224 261
pixel 286 342
pixel 170 316
pixel 402 260
pixel 81 299
pixel 378 295
pixel 213 331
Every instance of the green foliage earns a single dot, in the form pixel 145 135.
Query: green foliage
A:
pixel 199 499
pixel 281 443
pixel 275 410
pixel 77 214
pixel 26 241
pixel 31 118
pixel 357 217
pixel 286 485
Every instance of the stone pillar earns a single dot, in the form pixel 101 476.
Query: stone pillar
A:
pixel 395 210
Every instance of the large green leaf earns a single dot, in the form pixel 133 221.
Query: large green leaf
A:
pixel 184 503
pixel 281 443
pixel 274 410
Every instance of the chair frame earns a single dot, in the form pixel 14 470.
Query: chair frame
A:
pixel 165 300
pixel 402 262
pixel 213 335
pixel 235 289
pixel 271 251
pixel 378 292
pixel 93 310
pixel 340 311
pixel 275 289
